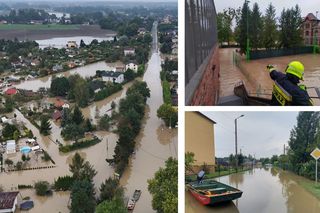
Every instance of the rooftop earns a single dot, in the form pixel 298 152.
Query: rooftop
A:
pixel 7 199
pixel 111 74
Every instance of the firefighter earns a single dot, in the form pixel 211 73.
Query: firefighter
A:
pixel 286 89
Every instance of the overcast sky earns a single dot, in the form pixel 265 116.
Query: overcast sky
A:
pixel 259 133
pixel 306 6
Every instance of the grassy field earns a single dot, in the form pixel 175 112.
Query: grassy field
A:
pixel 38 27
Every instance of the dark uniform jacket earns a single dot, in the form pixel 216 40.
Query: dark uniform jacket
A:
pixel 289 83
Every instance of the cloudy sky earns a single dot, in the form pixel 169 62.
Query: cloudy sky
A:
pixel 259 133
pixel 306 6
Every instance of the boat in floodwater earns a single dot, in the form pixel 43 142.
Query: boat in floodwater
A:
pixel 210 192
pixel 134 199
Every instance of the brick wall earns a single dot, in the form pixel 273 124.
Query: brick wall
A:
pixel 207 92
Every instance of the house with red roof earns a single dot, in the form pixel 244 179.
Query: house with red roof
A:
pixel 11 91
pixel 8 201
pixel 58 103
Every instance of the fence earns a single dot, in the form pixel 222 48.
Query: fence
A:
pixel 259 54
pixel 201 34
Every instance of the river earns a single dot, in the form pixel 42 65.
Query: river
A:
pixel 265 190
pixel 155 143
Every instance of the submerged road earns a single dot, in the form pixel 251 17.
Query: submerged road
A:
pixel 265 190
pixel 155 143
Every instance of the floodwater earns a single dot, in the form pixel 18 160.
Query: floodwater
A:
pixel 256 74
pixel 265 190
pixel 155 143
pixel 229 72
pixel 84 71
pixel 61 42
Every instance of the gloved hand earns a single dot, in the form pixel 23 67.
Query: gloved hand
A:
pixel 270 67
pixel 303 87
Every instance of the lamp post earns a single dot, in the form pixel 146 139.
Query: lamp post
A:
pixel 248 48
pixel 236 140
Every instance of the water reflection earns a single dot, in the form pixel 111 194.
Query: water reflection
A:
pixel 264 191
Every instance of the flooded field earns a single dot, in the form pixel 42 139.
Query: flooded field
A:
pixel 85 71
pixel 264 191
pixel 61 42
pixel 155 143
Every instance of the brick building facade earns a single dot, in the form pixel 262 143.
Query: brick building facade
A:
pixel 311 30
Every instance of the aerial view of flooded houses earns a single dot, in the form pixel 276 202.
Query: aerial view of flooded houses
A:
pixel 88 111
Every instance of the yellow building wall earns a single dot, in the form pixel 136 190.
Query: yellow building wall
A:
pixel 199 138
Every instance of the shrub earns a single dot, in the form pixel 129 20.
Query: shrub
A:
pixel 21 186
pixel 42 188
pixel 79 145
pixel 166 92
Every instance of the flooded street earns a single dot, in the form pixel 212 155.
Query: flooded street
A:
pixel 264 191
pixel 155 143
pixel 230 74
pixel 85 71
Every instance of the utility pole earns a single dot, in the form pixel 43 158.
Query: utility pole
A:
pixel 236 140
pixel 248 48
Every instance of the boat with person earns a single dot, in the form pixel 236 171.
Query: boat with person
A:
pixel 210 192
pixel 133 200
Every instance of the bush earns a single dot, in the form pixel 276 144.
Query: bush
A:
pixel 64 183
pixel 19 165
pixel 106 92
pixel 24 186
pixel 79 145
pixel 42 188
pixel 166 92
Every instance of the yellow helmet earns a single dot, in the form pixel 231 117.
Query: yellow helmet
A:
pixel 296 68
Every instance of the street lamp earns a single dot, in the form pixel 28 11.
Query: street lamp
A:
pixel 236 140
pixel 247 51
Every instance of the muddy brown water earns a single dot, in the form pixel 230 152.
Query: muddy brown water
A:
pixel 155 143
pixel 264 191
pixel 230 74
pixel 84 71
pixel 257 78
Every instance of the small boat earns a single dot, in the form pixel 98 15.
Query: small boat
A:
pixel 210 192
pixel 132 201
pixel 241 91
pixel 27 205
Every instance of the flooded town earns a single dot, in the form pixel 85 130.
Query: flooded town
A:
pixel 89 106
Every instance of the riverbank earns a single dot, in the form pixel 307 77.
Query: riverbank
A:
pixel 40 32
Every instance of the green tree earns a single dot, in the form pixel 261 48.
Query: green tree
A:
pixel 88 125
pixel 29 134
pixel 82 197
pixel 290 30
pixel 76 166
pixel 164 188
pixel 242 26
pixel 77 115
pixel 8 131
pixel 303 140
pixel 168 114
pixel 256 27
pixel 224 23
pixel 129 75
pixel 270 33
pixel 111 206
pixel 104 123
pixel 60 86
pixel 16 135
pixel 45 126
pixel 109 189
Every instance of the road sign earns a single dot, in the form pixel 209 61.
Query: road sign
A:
pixel 315 153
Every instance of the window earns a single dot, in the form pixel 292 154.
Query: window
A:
pixel 307 33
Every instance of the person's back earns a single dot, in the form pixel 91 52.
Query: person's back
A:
pixel 289 83
pixel 286 90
